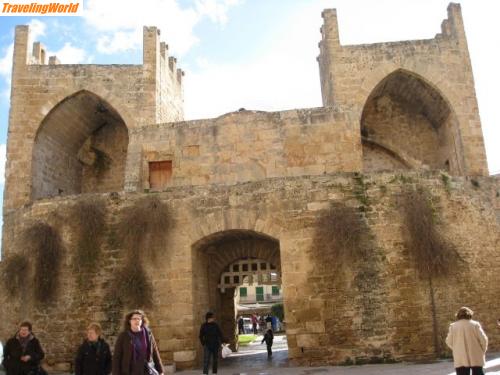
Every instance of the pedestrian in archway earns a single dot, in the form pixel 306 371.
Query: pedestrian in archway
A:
pixel 268 339
pixel 136 352
pixel 468 342
pixel 269 321
pixel 241 326
pixel 254 323
pixel 211 339
pixel 23 353
pixel 93 356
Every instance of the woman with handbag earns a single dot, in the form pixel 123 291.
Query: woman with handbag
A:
pixel 94 355
pixel 136 352
pixel 23 353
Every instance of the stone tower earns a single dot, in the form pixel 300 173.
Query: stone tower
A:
pixel 415 100
pixel 67 119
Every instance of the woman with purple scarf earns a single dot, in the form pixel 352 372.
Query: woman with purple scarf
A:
pixel 136 352
pixel 22 353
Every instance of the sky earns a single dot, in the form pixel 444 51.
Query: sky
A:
pixel 256 54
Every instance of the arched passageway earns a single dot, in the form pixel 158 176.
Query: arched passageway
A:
pixel 226 262
pixel 80 147
pixel 414 122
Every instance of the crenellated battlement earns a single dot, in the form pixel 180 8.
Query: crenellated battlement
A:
pixel 439 67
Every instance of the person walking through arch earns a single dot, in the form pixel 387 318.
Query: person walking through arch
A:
pixel 211 340
pixel 468 342
pixel 268 339
pixel 241 326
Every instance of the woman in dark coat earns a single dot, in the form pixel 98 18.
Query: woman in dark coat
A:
pixel 23 353
pixel 94 355
pixel 136 352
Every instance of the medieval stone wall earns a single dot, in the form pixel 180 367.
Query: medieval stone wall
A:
pixel 373 309
pixel 249 146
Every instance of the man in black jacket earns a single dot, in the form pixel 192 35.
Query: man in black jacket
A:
pixel 94 355
pixel 211 339
pixel 22 353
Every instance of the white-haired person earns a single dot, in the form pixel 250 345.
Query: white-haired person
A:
pixel 468 342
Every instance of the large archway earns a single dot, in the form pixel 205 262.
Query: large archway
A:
pixel 413 121
pixel 80 147
pixel 225 262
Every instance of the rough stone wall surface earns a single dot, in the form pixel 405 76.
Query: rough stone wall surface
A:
pixel 248 146
pixel 370 310
pixel 349 74
pixel 417 142
pixel 377 159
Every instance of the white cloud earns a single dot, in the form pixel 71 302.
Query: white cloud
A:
pixel 284 76
pixel 216 10
pixel 69 54
pixel 119 41
pixel 6 70
pixel 6 61
pixel 121 21
pixel 3 158
pixel 37 29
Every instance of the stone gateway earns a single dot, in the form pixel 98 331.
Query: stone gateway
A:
pixel 112 201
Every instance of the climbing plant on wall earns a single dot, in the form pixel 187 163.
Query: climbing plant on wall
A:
pixel 46 244
pixel 144 227
pixel 343 231
pixel 142 233
pixel 15 274
pixel 432 254
pixel 90 224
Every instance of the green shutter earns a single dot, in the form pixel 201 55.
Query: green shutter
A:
pixel 259 293
pixel 276 291
pixel 243 292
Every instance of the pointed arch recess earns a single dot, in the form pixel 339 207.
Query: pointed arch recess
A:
pixel 80 146
pixel 409 116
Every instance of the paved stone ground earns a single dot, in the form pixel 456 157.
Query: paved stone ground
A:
pixel 252 360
